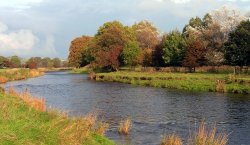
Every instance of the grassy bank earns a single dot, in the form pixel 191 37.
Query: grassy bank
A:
pixel 18 74
pixel 24 121
pixel 185 81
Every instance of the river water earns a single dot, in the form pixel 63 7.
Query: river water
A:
pixel 154 111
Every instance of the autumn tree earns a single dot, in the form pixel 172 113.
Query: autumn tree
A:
pixel 237 48
pixel 173 48
pixel 146 34
pixel 76 51
pixel 227 18
pixel 194 55
pixel 32 63
pixel 214 39
pixel 110 41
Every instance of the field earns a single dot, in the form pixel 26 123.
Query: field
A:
pixel 211 82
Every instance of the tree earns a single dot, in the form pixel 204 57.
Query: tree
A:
pixel 46 62
pixel 194 55
pixel 146 34
pixel 130 53
pixel 173 48
pixel 237 48
pixel 110 41
pixel 214 40
pixel 228 19
pixel 56 62
pixel 76 51
pixel 3 62
pixel 32 63
pixel 15 61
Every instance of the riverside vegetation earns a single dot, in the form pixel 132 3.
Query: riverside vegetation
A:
pixel 24 120
pixel 18 74
pixel 227 83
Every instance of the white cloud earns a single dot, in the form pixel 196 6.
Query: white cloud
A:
pixel 22 39
pixel 180 1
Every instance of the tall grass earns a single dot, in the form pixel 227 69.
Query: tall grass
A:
pixel 125 126
pixel 171 140
pixel 202 136
pixel 18 74
pixel 24 122
pixel 208 137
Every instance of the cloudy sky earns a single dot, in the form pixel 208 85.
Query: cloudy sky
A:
pixel 46 27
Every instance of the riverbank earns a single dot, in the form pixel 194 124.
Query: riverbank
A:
pixel 210 82
pixel 18 74
pixel 23 120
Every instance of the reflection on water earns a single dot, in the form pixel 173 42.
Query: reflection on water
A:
pixel 154 111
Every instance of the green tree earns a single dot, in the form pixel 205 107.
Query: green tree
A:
pixel 130 53
pixel 173 48
pixel 47 62
pixel 237 48
pixel 56 62
pixel 15 61
pixel 3 61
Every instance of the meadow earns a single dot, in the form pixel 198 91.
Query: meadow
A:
pixel 211 82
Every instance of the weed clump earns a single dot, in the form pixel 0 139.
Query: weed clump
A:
pixel 125 126
pixel 171 140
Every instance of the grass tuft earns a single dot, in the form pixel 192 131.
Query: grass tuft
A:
pixel 125 126
pixel 206 137
pixel 171 140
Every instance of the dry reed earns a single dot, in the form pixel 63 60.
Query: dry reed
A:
pixel 125 126
pixel 171 140
pixel 36 103
pixel 205 137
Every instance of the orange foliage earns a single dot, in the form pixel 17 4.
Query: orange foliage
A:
pixel 3 79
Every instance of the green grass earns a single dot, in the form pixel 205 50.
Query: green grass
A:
pixel 20 124
pixel 183 81
pixel 82 70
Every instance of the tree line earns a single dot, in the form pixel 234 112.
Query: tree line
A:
pixel 221 37
pixel 32 63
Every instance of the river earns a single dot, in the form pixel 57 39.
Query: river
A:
pixel 154 111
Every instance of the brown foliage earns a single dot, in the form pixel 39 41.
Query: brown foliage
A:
pixel 194 55
pixel 110 41
pixel 76 50
pixel 109 58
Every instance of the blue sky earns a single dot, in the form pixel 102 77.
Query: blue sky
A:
pixel 46 27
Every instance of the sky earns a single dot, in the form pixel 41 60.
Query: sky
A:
pixel 46 27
